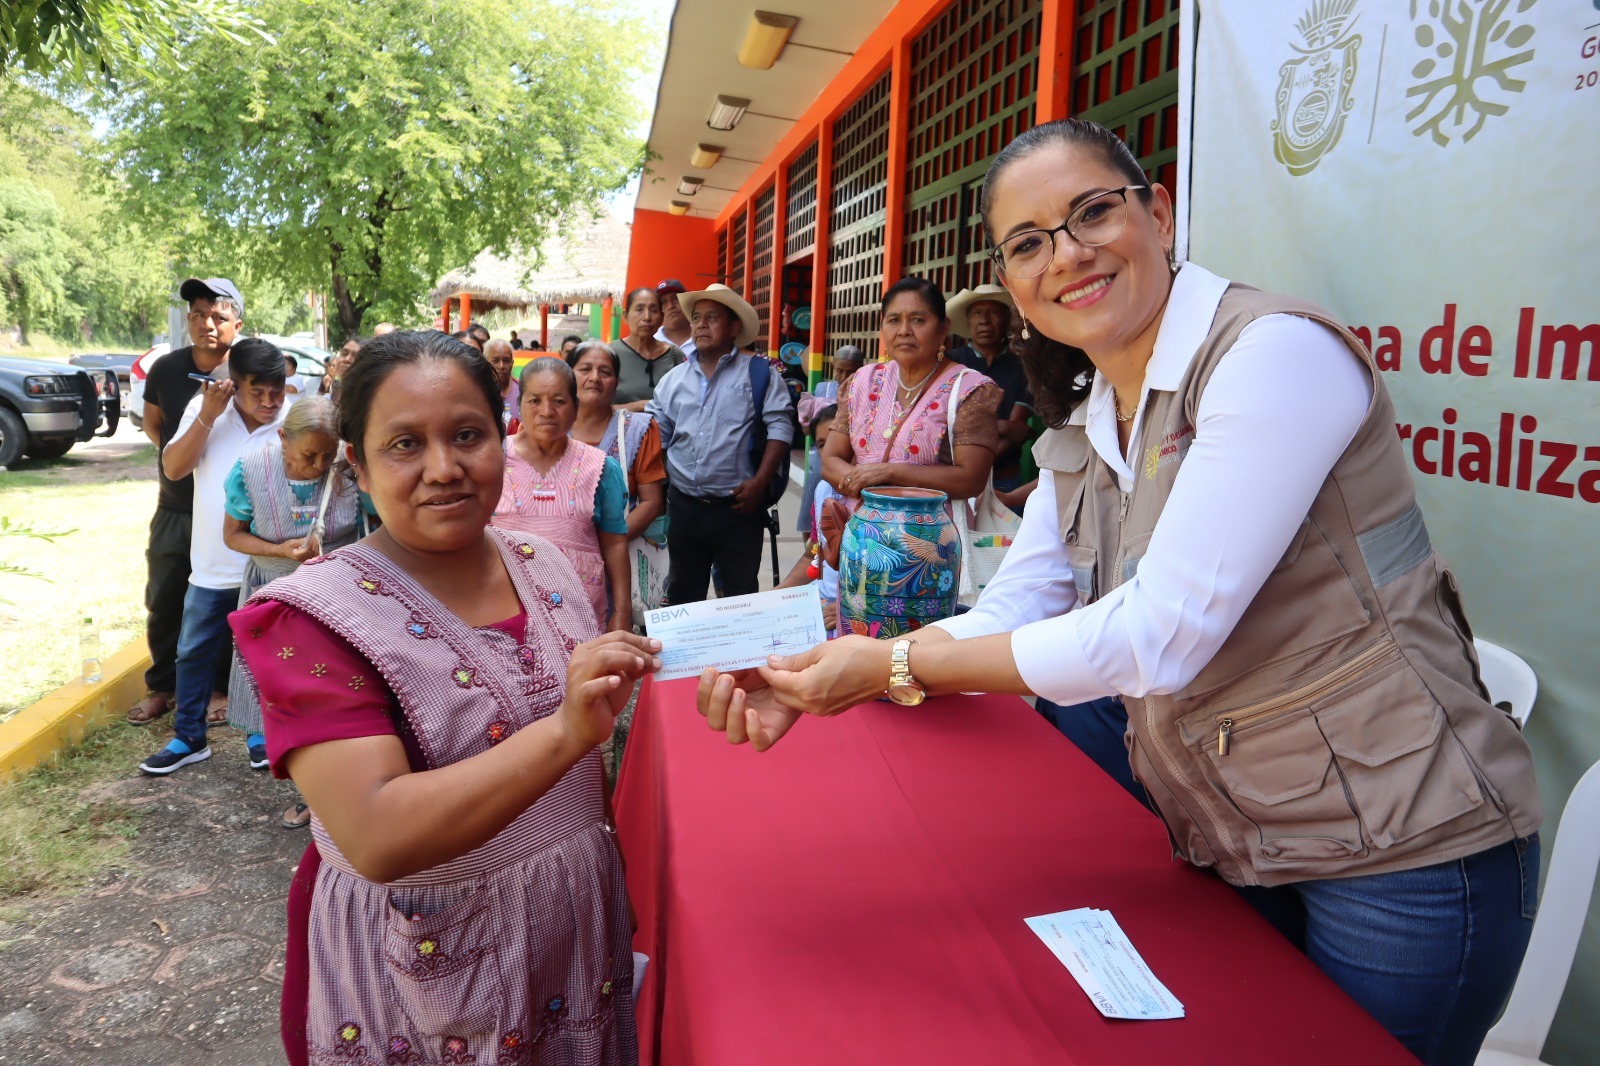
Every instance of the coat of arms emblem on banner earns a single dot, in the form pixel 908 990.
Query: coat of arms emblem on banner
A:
pixel 1314 87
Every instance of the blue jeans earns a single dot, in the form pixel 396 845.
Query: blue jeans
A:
pixel 1430 953
pixel 1097 728
pixel 202 639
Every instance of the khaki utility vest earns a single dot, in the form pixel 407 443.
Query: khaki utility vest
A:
pixel 1342 728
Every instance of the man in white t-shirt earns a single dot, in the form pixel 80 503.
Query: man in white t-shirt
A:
pixel 224 421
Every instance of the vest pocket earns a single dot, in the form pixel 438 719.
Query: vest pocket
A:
pixel 1279 773
pixel 1082 560
pixel 445 969
pixel 1404 767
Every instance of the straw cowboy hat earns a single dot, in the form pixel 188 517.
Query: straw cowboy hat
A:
pixel 750 322
pixel 959 304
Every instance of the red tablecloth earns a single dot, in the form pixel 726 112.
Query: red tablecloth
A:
pixel 857 895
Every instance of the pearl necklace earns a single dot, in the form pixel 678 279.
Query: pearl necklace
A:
pixel 904 407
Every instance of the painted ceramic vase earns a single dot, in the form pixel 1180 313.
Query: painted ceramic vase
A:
pixel 898 563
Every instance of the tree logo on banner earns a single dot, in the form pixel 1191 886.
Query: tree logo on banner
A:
pixel 1476 42
pixel 1314 87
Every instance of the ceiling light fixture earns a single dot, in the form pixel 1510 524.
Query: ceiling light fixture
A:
pixel 726 112
pixel 705 156
pixel 678 207
pixel 688 186
pixel 764 40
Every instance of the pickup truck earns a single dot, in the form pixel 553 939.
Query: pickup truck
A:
pixel 46 408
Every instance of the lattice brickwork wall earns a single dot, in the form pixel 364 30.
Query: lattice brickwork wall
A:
pixel 856 216
pixel 761 265
pixel 722 259
pixel 973 75
pixel 1125 63
pixel 800 229
pixel 735 264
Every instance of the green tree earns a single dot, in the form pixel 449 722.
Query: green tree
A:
pixel 376 145
pixel 81 39
pixel 34 256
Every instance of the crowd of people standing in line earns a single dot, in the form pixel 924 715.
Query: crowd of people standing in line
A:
pixel 438 690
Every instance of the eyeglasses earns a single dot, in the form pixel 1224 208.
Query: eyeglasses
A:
pixel 1098 220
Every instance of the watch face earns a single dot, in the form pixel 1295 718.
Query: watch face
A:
pixel 907 695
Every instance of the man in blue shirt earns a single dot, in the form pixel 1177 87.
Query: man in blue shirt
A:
pixel 708 414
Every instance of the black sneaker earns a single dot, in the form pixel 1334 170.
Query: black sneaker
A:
pixel 175 756
pixel 258 756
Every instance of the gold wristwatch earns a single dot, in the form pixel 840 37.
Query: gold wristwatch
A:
pixel 903 688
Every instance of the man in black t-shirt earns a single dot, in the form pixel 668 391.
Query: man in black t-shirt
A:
pixel 216 311
pixel 983 315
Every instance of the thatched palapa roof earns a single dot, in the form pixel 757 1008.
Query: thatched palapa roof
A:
pixel 576 265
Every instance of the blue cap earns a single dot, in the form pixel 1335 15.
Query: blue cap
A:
pixel 211 289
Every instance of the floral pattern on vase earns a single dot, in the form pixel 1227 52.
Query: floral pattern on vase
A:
pixel 898 563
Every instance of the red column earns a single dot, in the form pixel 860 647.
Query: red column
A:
pixel 819 257
pixel 466 310
pixel 605 319
pixel 1053 94
pixel 894 223
pixel 444 315
pixel 544 326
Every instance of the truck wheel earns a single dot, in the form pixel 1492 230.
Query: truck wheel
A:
pixel 13 436
pixel 48 449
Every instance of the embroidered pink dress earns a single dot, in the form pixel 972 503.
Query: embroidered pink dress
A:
pixel 559 506
pixel 516 953
pixel 869 413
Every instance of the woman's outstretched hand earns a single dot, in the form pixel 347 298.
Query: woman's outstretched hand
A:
pixel 600 677
pixel 758 706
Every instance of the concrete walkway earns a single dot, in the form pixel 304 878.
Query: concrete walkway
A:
pixel 178 957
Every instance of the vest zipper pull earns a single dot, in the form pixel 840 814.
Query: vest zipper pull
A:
pixel 1224 736
pixel 1123 515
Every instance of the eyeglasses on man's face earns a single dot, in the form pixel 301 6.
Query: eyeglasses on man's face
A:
pixel 1098 220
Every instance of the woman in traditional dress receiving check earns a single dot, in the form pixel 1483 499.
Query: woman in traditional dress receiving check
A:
pixel 1227 536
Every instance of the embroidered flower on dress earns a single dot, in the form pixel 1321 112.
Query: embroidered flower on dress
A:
pixel 512 1040
pixel 419 628
pixel 498 731
pixel 255 631
pixel 607 988
pixel 286 653
pixel 455 1051
pixel 319 670
pixel 526 657
pixel 525 550
pixel 463 676
pixel 556 1005
pixel 369 585
pixel 427 947
pixel 913 449
pixel 357 682
pixel 349 1032
pixel 401 1053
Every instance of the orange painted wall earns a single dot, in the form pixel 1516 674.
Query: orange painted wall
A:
pixel 671 246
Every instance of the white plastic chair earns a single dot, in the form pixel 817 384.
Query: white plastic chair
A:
pixel 1519 1035
pixel 1508 679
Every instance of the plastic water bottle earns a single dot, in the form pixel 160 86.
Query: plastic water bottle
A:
pixel 89 650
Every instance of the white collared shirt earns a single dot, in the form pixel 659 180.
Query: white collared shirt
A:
pixel 212 564
pixel 687 347
pixel 1280 409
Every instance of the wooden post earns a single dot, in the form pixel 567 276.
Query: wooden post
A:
pixel 1053 93
pixel 606 320
pixel 544 326
pixel 894 222
pixel 444 316
pixel 466 310
pixel 819 256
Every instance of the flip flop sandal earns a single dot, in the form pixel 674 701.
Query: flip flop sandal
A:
pixel 141 714
pixel 295 816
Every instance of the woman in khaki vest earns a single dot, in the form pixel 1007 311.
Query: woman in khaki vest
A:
pixel 1227 536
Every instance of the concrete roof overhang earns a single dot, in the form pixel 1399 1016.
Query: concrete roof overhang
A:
pixel 702 63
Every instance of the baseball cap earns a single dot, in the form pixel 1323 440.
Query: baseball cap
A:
pixel 211 289
pixel 672 285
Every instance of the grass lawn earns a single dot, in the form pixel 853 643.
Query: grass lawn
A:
pixel 55 832
pixel 106 496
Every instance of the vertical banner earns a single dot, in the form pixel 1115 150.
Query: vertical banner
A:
pixel 1429 170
